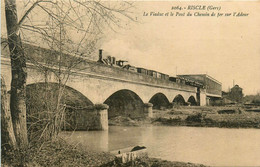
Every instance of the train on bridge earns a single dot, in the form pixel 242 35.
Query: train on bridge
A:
pixel 111 61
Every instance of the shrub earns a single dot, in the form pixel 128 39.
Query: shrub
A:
pixel 195 118
pixel 227 111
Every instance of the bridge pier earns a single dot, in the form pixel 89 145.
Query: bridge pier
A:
pixel 90 118
pixel 148 110
pixel 203 98
pixel 102 116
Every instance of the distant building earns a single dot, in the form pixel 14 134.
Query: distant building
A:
pixel 236 94
pixel 225 94
pixel 213 88
pixel 225 99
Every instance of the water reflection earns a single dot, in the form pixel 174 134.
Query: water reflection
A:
pixel 209 146
pixel 93 140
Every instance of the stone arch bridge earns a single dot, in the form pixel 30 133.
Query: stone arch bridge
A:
pixel 124 91
pixel 98 86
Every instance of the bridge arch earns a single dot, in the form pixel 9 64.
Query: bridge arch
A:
pixel 179 99
pixel 41 101
pixel 38 93
pixel 192 101
pixel 159 100
pixel 125 102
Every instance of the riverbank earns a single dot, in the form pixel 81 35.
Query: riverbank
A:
pixel 59 153
pixel 56 153
pixel 222 117
pixel 197 116
pixel 153 162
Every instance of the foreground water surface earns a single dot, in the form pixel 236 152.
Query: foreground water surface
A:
pixel 208 146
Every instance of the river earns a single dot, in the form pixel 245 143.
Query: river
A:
pixel 208 146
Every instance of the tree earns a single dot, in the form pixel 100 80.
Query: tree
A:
pixel 59 23
pixel 7 133
pixel 18 83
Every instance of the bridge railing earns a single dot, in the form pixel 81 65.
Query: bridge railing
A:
pixel 96 69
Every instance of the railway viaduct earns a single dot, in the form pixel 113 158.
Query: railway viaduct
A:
pixel 125 92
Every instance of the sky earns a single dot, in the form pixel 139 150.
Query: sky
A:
pixel 226 48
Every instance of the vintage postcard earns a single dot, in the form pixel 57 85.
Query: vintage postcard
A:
pixel 130 83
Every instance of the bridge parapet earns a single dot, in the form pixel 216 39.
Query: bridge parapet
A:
pixel 50 58
pixel 130 76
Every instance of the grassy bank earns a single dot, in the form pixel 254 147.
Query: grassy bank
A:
pixel 153 162
pixel 56 153
pixel 227 117
pixel 59 153
pixel 223 117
